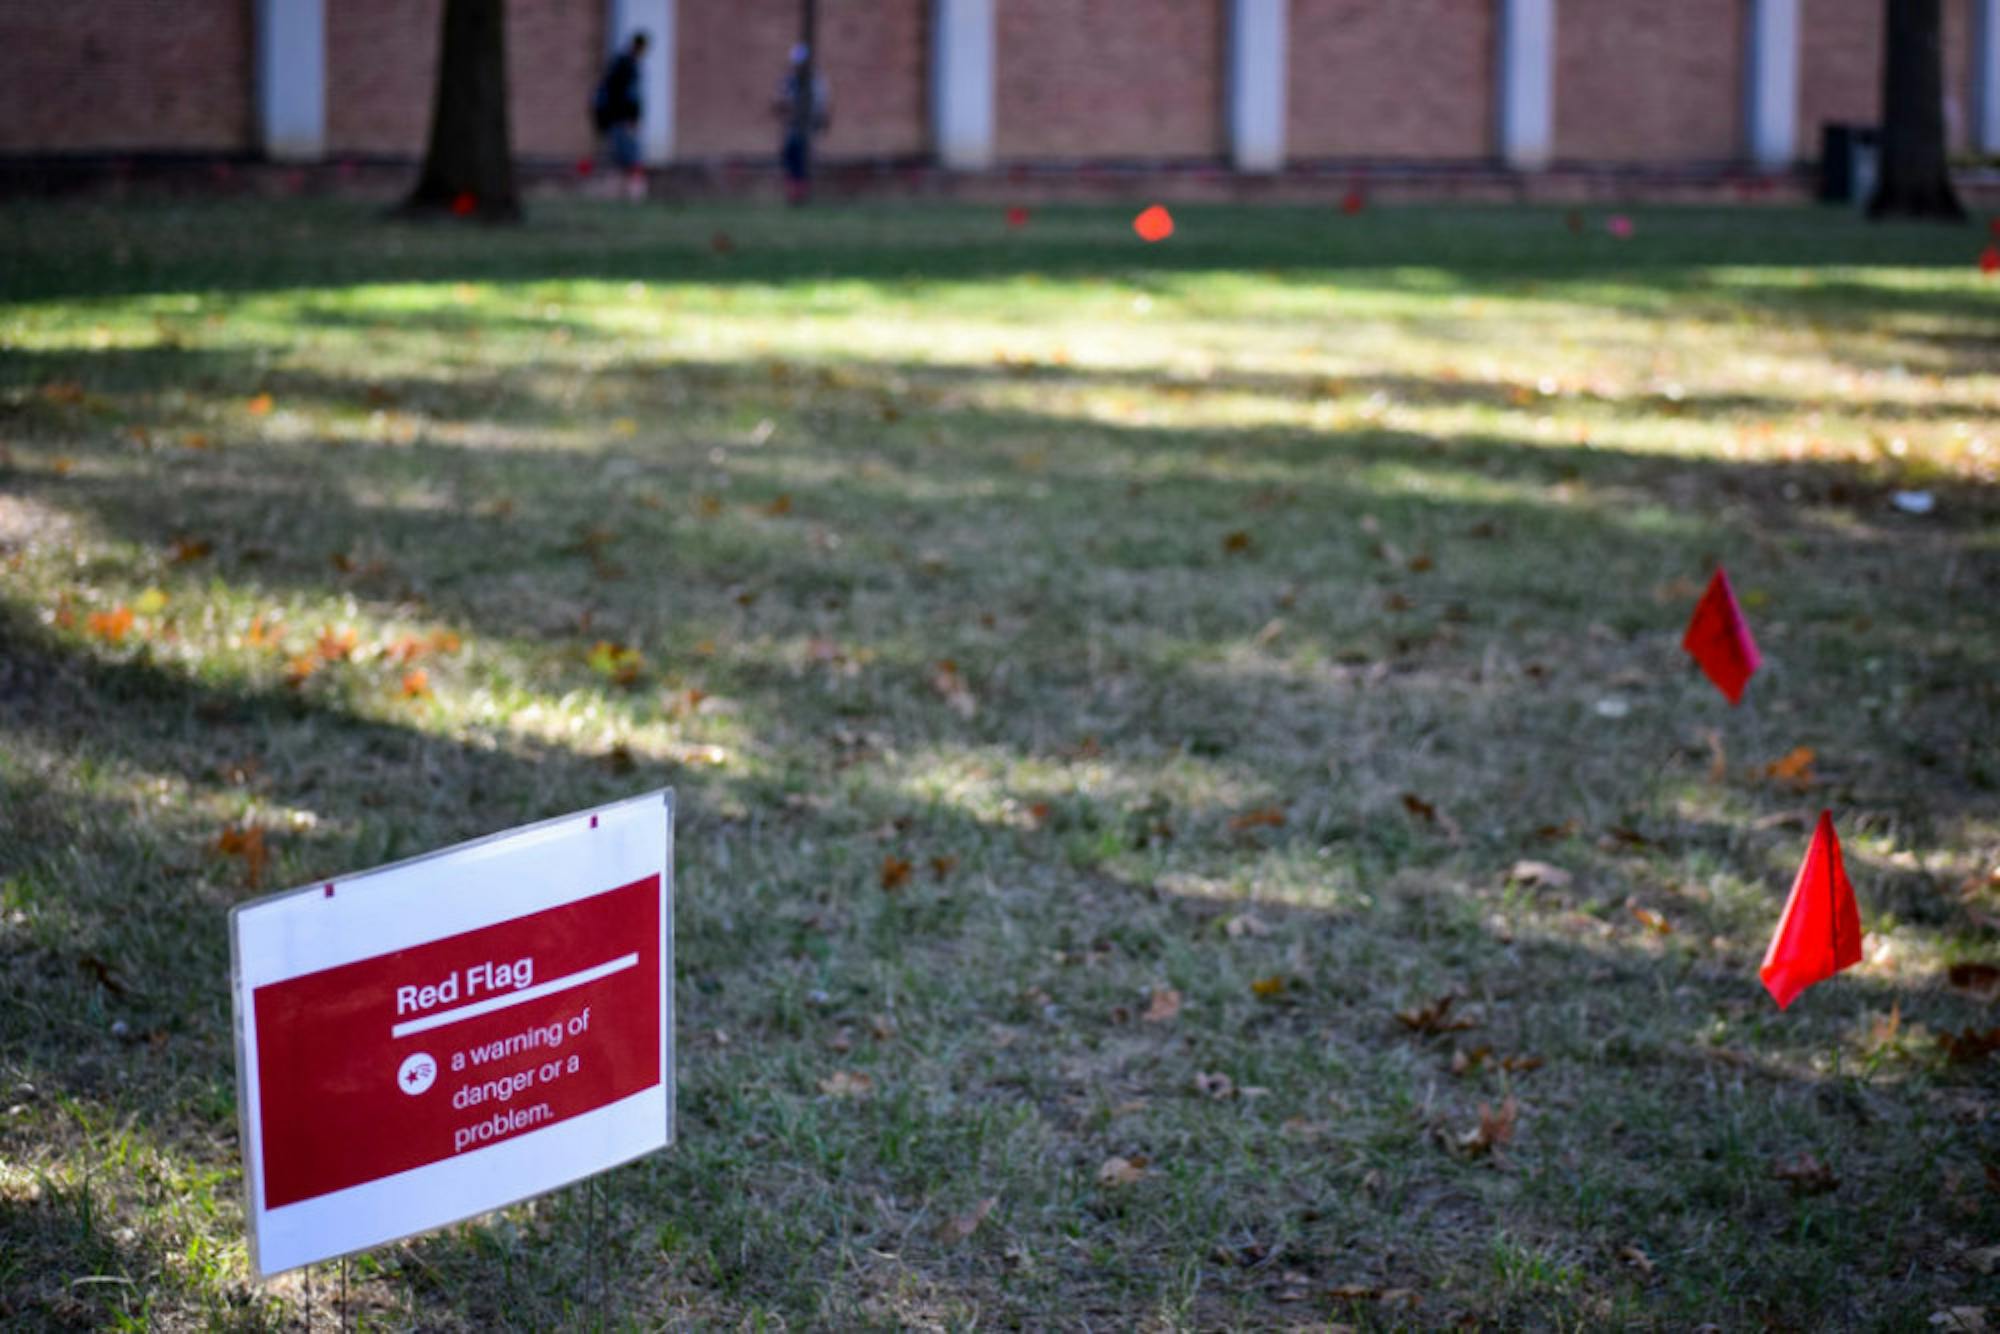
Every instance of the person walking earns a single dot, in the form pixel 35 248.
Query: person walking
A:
pixel 615 109
pixel 802 108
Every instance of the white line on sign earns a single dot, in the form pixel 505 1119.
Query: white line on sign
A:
pixel 521 997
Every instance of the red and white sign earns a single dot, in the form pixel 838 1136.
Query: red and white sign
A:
pixel 434 1039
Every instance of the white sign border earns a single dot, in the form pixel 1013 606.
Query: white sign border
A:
pixel 337 947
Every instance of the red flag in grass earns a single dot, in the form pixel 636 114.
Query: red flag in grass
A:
pixel 1718 638
pixel 1989 260
pixel 1820 933
pixel 1017 217
pixel 1155 224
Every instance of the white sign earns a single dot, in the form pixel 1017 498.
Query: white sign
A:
pixel 431 1040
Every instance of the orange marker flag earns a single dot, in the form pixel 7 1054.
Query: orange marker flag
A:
pixel 1718 638
pixel 1155 224
pixel 1820 933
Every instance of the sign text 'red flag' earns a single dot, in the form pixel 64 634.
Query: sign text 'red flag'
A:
pixel 1718 638
pixel 1155 224
pixel 1820 933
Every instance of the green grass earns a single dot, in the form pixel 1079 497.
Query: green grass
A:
pixel 1049 556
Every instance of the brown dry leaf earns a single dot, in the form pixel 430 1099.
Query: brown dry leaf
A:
pixel 1116 1171
pixel 1354 1292
pixel 1246 924
pixel 1556 833
pixel 1465 1060
pixel 781 506
pixel 1977 979
pixel 1534 874
pixel 1236 543
pixel 1435 1018
pixel 186 549
pixel 960 1226
pixel 1969 1045
pixel 1495 1128
pixel 951 687
pixel 1520 1065
pixel 1805 1174
pixel 336 645
pixel 709 505
pixel 1267 987
pixel 1163 1004
pixel 1268 817
pixel 1421 562
pixel 1637 1259
pixel 895 871
pixel 1218 1085
pixel 881 1027
pixel 110 626
pixel 247 844
pixel 1794 770
pixel 106 976
pixel 942 867
pixel 1718 755
pixel 847 1084
pixel 1651 920
pixel 1430 814
pixel 1986 1259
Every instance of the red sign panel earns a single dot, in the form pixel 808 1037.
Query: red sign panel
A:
pixel 410 1058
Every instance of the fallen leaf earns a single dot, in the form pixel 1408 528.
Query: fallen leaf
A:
pixel 619 663
pixel 1556 833
pixel 1718 755
pixel 1246 924
pixel 943 866
pixel 1236 543
pixel 1794 770
pixel 780 506
pixel 247 844
pixel 1637 1259
pixel 1985 1259
pixel 1430 814
pixel 1967 1319
pixel 1162 1005
pixel 103 972
pixel 895 871
pixel 110 626
pixel 259 406
pixel 1520 1065
pixel 1435 1018
pixel 1218 1086
pixel 951 687
pixel 960 1226
pixel 1969 1045
pixel 1116 1171
pixel 1805 1174
pixel 1535 874
pixel 1495 1129
pixel 1267 987
pixel 186 549
pixel 1465 1060
pixel 336 645
pixel 1651 920
pixel 299 667
pixel 847 1084
pixel 1267 817
pixel 1978 979
pixel 416 684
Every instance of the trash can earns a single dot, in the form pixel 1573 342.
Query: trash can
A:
pixel 1847 163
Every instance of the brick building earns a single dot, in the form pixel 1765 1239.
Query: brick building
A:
pixel 974 84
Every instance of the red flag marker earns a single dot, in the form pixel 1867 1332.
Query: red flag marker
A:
pixel 1993 226
pixel 1353 202
pixel 1619 226
pixel 1718 638
pixel 464 203
pixel 1155 224
pixel 1017 217
pixel 1820 933
pixel 584 166
pixel 1989 259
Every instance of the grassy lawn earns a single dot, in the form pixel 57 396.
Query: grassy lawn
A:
pixel 1115 694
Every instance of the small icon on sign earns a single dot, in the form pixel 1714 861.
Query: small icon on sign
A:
pixel 417 1073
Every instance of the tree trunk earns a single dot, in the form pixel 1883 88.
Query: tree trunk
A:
pixel 469 163
pixel 1913 180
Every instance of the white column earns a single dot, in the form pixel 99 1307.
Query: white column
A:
pixel 655 18
pixel 291 79
pixel 1257 55
pixel 1771 87
pixel 962 83
pixel 1986 75
pixel 1527 79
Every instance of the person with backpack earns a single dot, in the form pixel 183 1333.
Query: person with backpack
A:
pixel 615 110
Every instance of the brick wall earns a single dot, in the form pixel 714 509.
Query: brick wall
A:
pixel 381 67
pixel 1412 79
pixel 874 55
pixel 1109 78
pixel 95 75
pixel 1647 81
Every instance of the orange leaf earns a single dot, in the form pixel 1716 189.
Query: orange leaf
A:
pixel 336 645
pixel 1116 1171
pixel 1653 921
pixel 111 626
pixel 1266 817
pixel 1794 770
pixel 298 668
pixel 417 684
pixel 1163 1004
pixel 894 872
pixel 260 406
pixel 187 549
pixel 1495 1128
pixel 1435 1018
pixel 246 843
